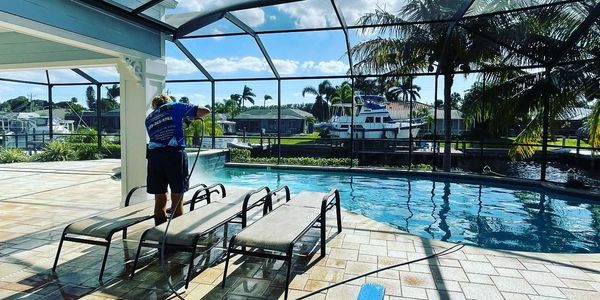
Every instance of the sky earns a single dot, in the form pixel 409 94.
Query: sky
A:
pixel 294 54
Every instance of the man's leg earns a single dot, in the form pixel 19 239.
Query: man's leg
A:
pixel 177 204
pixel 160 209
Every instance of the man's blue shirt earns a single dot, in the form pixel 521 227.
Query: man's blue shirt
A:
pixel 165 124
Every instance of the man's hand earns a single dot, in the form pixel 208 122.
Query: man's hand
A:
pixel 201 112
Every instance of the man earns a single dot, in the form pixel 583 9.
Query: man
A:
pixel 167 159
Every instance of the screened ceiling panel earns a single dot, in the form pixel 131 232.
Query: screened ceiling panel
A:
pixel 103 74
pixel 230 57
pixel 28 75
pixel 179 67
pixel 65 76
pixel 306 14
pixel 219 27
pixel 314 53
pixel 480 7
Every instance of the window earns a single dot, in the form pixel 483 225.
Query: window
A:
pixel 369 120
pixel 377 119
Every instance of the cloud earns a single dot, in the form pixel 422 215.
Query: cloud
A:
pixel 253 17
pixel 326 67
pixel 286 66
pixel 176 66
pixel 235 64
pixel 319 13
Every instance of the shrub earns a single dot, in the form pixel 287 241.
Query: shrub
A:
pixel 56 151
pixel 83 135
pixel 12 155
pixel 108 150
pixel 243 156
pixel 87 151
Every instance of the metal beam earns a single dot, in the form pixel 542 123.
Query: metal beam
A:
pixel 577 34
pixel 191 57
pixel 126 13
pixel 408 23
pixel 50 107
pixel 241 25
pixel 22 81
pixel 218 13
pixel 85 75
pixel 458 15
pixel 145 6
pixel 545 124
pixel 342 21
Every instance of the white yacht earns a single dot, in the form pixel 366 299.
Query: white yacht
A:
pixel 19 128
pixel 371 121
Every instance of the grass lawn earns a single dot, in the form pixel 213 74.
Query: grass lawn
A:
pixel 289 140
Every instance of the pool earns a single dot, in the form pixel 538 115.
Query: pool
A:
pixel 478 214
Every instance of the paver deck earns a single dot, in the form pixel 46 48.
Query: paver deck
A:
pixel 39 199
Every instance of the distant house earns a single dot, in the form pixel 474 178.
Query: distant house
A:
pixel 458 123
pixel 293 121
pixel 401 110
pixel 572 121
pixel 111 120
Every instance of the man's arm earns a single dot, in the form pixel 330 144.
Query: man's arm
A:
pixel 201 112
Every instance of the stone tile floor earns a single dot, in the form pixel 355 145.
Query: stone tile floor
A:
pixel 39 199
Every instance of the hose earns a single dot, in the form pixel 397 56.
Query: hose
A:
pixel 445 252
pixel 163 264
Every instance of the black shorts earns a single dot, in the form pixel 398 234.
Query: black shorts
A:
pixel 167 167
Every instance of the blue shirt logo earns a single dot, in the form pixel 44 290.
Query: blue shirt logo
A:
pixel 165 124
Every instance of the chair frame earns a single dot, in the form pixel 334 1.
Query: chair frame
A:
pixel 107 242
pixel 193 248
pixel 326 204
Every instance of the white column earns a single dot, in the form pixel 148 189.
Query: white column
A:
pixel 140 82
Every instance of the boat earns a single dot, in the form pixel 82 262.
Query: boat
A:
pixel 20 129
pixel 372 120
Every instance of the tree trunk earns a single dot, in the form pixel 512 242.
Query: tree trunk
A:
pixel 448 81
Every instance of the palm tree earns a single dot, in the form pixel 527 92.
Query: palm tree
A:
pixel 417 47
pixel 247 95
pixel 322 94
pixel 267 97
pixel 520 95
pixel 408 91
pixel 342 94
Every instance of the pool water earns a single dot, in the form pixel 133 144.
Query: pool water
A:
pixel 478 214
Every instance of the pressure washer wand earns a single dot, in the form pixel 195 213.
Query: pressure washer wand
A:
pixel 170 217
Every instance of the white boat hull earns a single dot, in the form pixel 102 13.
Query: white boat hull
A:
pixel 374 133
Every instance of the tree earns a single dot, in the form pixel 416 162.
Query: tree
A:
pixel 408 90
pixel 267 97
pixel 113 92
pixel 342 94
pixel 423 46
pixel 74 99
pixel 247 95
pixel 90 95
pixel 184 99
pixel 456 101
pixel 323 94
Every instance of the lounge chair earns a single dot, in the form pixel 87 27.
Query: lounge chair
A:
pixel 186 231
pixel 279 230
pixel 99 229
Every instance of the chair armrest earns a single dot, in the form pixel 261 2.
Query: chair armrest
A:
pixel 130 194
pixel 207 189
pixel 269 203
pixel 247 199
pixel 331 195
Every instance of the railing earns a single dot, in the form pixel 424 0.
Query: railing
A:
pixel 392 152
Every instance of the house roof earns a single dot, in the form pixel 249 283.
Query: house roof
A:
pixel 271 114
